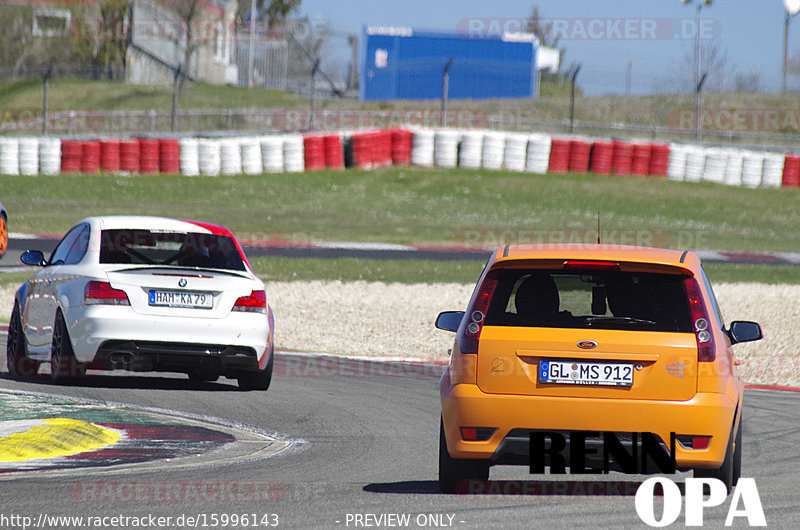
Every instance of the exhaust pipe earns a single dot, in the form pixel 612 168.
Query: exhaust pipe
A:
pixel 120 359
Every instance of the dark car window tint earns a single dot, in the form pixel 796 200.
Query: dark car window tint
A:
pixel 72 247
pixel 590 300
pixel 146 247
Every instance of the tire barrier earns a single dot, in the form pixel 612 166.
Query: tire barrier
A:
pixel 169 158
pixel 559 155
pixel 445 148
pixel 90 158
pixel 189 156
pixel 9 156
pixel 791 171
pixel 515 152
pixel 602 158
pixel 109 155
pixel 28 156
pixel 401 147
pixel 148 155
pixel 293 157
pixel 422 148
pixel 470 153
pixel 129 156
pixel 538 159
pixel 622 159
pixel 579 154
pixel 272 153
pixel 49 156
pixel 470 149
pixel 493 149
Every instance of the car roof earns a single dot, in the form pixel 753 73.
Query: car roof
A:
pixel 620 253
pixel 144 222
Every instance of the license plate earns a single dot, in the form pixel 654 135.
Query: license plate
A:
pixel 586 373
pixel 182 299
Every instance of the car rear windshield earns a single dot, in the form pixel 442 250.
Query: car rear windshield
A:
pixel 590 300
pixel 152 247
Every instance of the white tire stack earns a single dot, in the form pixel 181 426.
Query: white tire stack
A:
pixel 733 169
pixel 772 173
pixel 9 156
pixel 493 148
pixel 422 142
pixel 189 156
pixel 716 162
pixel 209 156
pixel 50 156
pixel 469 156
pixel 515 152
pixel 272 150
pixel 445 148
pixel 676 170
pixel 28 156
pixel 293 154
pixel 230 156
pixel 752 168
pixel 695 163
pixel 538 157
pixel 251 156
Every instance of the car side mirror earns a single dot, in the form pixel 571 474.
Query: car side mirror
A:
pixel 449 320
pixel 34 258
pixel 744 331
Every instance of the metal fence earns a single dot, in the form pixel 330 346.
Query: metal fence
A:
pixel 243 121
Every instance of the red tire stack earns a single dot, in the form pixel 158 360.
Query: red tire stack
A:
pixel 401 147
pixel 363 150
pixel 602 157
pixel 659 160
pixel 129 155
pixel 109 155
pixel 148 155
pixel 579 154
pixel 623 158
pixel 791 171
pixel 71 155
pixel 559 155
pixel 314 152
pixel 90 159
pixel 382 149
pixel 640 162
pixel 334 155
pixel 169 156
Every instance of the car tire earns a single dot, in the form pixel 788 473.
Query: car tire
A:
pixel 454 471
pixel 63 363
pixel 3 235
pixel 18 364
pixel 258 380
pixel 725 472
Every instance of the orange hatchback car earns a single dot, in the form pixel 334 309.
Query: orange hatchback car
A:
pixel 595 358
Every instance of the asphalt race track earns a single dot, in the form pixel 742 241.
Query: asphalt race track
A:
pixel 362 439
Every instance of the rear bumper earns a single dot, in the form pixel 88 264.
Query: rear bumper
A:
pixel 240 340
pixel 465 405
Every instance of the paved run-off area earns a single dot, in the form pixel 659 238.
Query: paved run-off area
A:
pixel 396 320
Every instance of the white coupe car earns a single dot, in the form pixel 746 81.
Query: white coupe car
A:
pixel 143 294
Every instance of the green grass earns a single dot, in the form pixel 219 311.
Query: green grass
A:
pixel 427 207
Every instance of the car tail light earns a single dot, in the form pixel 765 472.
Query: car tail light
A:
pixel 477 434
pixel 693 441
pixel 591 265
pixel 102 293
pixel 476 315
pixel 255 303
pixel 706 349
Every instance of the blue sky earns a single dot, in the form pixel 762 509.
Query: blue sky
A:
pixel 749 32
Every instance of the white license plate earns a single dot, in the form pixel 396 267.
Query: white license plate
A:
pixel 586 373
pixel 182 299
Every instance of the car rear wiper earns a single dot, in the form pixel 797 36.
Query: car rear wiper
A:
pixel 623 320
